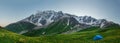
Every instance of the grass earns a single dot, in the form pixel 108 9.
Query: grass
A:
pixel 111 35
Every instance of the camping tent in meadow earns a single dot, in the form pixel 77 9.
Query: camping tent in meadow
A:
pixel 98 37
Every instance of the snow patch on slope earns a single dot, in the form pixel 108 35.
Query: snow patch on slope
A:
pixel 77 18
pixel 101 26
pixel 68 22
pixel 38 23
pixel 49 20
pixel 22 32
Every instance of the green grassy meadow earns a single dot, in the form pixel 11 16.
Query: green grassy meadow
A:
pixel 110 35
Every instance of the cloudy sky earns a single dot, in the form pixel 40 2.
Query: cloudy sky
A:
pixel 15 10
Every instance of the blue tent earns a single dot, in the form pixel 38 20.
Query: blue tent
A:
pixel 98 37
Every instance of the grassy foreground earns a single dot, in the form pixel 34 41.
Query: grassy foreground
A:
pixel 109 36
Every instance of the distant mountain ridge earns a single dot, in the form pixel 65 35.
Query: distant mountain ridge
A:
pixel 52 22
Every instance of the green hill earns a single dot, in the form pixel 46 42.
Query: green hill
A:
pixel 20 26
pixel 111 34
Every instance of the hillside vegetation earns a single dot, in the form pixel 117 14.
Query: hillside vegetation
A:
pixel 20 26
pixel 111 34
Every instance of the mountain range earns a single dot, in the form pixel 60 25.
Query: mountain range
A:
pixel 59 27
pixel 51 22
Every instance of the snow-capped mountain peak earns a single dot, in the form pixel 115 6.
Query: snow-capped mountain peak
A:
pixel 42 18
